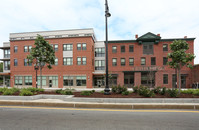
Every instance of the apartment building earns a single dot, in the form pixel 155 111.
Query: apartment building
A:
pixel 80 61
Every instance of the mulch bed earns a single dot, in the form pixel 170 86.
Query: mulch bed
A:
pixel 112 95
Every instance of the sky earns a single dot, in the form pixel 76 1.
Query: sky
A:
pixel 169 18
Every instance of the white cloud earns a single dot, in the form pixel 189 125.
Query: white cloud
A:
pixel 171 18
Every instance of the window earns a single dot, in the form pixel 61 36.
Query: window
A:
pixel 99 65
pixel 68 47
pixel 148 48
pixel 15 62
pixel 114 61
pixel 153 61
pixel 81 80
pixel 28 80
pixel 15 49
pixel 56 61
pixel 68 61
pixel 131 48
pixel 54 80
pixel 55 47
pixel 83 46
pixel 123 62
pixel 79 62
pixel 18 80
pixel 165 78
pixel 6 65
pixel 83 60
pixel 165 60
pixel 7 53
pixel 43 80
pixel 79 46
pixel 122 48
pixel 29 48
pixel 143 61
pixel 25 48
pixel 100 52
pixel 131 61
pixel 114 49
pixel 68 80
pixel 165 47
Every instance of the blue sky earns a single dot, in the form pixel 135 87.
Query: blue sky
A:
pixel 169 18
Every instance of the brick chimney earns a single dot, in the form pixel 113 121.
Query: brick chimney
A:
pixel 185 37
pixel 136 36
pixel 158 35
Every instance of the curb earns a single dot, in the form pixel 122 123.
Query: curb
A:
pixel 101 105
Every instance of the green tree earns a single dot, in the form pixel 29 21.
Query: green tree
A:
pixel 180 58
pixel 42 55
pixel 1 70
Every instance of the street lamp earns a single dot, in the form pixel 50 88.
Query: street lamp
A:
pixel 107 14
pixel 36 68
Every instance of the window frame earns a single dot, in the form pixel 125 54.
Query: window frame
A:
pixel 66 48
pixel 25 48
pixel 114 63
pixel 67 60
pixel 15 62
pixel 131 63
pixel 123 63
pixel 165 59
pixel 143 58
pixel 114 50
pixel 153 61
pixel 131 48
pixel 122 49
pixel 165 49
pixel 165 79
pixel 15 49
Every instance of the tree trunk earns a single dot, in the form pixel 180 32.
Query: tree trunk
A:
pixel 40 77
pixel 179 80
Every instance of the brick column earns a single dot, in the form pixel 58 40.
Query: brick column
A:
pixel 137 78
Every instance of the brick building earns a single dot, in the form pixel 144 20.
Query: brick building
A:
pixel 80 61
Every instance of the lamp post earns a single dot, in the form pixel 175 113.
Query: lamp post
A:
pixel 107 14
pixel 36 68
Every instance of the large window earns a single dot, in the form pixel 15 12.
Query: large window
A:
pixel 43 80
pixel 165 47
pixel 54 80
pixel 131 61
pixel 83 60
pixel 7 53
pixel 165 78
pixel 68 47
pixel 99 52
pixel 143 61
pixel 83 46
pixel 148 48
pixel 6 65
pixel 123 62
pixel 68 61
pixel 99 65
pixel 68 80
pixel 79 60
pixel 131 48
pixel 81 80
pixel 15 49
pixel 18 80
pixel 28 80
pixel 15 62
pixel 122 48
pixel 114 49
pixel 25 48
pixel 114 61
pixel 165 60
pixel 79 46
pixel 153 61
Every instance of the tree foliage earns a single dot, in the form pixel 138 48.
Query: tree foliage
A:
pixel 42 53
pixel 1 67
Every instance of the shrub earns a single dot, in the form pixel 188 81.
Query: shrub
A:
pixel 125 93
pixel 35 89
pixel 135 89
pixel 102 91
pixel 40 90
pixel 157 90
pixel 26 92
pixel 145 91
pixel 119 89
pixel 3 89
pixel 172 92
pixel 58 91
pixel 163 91
pixel 15 89
pixel 196 92
pixel 92 91
pixel 86 93
pixel 8 92
pixel 66 92
pixel 189 91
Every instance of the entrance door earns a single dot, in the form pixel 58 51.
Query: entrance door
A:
pixel 183 81
pixel 129 80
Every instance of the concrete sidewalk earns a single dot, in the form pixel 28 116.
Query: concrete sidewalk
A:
pixel 102 105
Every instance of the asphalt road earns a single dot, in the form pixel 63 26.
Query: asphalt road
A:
pixel 27 118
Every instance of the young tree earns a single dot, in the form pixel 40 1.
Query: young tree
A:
pixel 42 54
pixel 180 58
pixel 1 70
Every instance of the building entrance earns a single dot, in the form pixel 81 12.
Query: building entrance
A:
pixel 129 79
pixel 183 81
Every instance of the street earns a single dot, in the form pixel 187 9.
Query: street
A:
pixel 43 118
